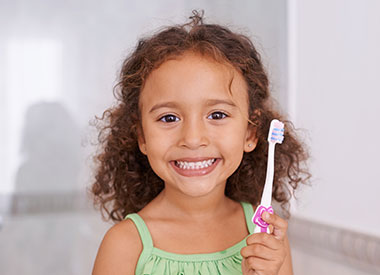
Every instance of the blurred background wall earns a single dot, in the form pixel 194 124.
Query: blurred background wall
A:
pixel 59 62
pixel 334 93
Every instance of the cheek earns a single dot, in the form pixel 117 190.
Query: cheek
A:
pixel 233 138
pixel 158 143
pixel 150 133
pixel 230 145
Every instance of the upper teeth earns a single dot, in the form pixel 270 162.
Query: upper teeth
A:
pixel 195 165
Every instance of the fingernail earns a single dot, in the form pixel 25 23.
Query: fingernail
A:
pixel 266 215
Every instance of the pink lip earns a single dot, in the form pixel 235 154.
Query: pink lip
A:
pixel 194 172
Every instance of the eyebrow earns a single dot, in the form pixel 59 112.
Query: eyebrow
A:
pixel 163 105
pixel 210 102
pixel 213 102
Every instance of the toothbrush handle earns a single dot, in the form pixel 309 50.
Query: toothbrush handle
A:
pixel 261 225
pixel 258 229
pixel 266 198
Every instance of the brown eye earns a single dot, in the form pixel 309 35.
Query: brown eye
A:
pixel 169 118
pixel 217 115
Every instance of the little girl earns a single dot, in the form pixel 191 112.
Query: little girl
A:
pixel 184 156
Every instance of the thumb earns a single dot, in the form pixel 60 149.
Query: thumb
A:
pixel 280 225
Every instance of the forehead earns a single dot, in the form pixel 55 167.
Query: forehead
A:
pixel 190 78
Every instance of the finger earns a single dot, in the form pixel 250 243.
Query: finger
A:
pixel 280 225
pixel 257 264
pixel 270 227
pixel 265 239
pixel 259 251
pixel 246 269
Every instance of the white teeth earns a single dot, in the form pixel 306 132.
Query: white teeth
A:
pixel 194 165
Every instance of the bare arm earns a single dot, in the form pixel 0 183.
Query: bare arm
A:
pixel 119 250
pixel 287 266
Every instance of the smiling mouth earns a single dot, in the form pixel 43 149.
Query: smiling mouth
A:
pixel 195 168
pixel 194 165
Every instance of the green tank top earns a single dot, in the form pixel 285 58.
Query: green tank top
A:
pixel 153 260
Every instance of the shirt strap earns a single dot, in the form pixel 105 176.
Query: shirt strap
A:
pixel 248 212
pixel 146 240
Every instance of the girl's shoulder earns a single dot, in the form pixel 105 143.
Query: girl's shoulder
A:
pixel 119 250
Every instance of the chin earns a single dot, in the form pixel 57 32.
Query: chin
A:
pixel 198 190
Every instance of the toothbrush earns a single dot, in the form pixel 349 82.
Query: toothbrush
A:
pixel 276 135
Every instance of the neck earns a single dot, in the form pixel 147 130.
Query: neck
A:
pixel 194 208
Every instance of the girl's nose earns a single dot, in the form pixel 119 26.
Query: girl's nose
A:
pixel 194 134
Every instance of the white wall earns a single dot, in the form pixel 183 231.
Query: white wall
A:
pixel 336 96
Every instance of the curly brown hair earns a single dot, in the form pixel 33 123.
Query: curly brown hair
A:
pixel 125 182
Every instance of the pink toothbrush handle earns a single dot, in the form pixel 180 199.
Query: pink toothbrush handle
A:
pixel 261 225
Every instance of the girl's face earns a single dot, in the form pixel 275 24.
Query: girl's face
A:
pixel 194 129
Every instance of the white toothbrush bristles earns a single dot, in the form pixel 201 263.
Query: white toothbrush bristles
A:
pixel 276 132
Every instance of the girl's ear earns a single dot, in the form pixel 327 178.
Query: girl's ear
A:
pixel 250 139
pixel 141 140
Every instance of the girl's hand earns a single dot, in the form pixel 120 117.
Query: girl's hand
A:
pixel 266 253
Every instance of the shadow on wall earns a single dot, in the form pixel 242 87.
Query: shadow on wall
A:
pixel 50 148
pixel 47 231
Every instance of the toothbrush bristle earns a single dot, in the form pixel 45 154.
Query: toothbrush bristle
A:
pixel 276 132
